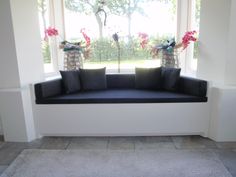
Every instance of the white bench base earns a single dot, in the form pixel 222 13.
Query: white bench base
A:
pixel 123 119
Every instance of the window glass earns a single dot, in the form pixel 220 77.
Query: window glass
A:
pixel 138 24
pixel 196 26
pixel 43 11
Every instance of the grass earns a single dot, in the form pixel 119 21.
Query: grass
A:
pixel 128 64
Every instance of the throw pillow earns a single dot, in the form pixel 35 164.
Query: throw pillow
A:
pixel 148 78
pixel 71 81
pixel 170 78
pixel 93 79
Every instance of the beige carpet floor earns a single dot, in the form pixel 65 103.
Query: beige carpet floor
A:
pixel 101 163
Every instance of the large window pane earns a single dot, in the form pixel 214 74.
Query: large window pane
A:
pixel 130 20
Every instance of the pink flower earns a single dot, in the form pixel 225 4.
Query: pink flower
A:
pixel 50 31
pixel 86 37
pixel 188 37
pixel 143 35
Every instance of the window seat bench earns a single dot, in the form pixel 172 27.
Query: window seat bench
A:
pixel 122 110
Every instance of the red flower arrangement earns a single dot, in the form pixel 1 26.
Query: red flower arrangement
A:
pixel 188 37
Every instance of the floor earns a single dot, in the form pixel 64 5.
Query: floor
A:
pixel 225 151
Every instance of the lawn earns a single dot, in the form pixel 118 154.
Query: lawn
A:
pixel 124 64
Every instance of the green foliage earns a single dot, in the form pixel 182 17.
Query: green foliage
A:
pixel 197 18
pixel 46 52
pixel 102 49
pixel 196 50
pixel 106 50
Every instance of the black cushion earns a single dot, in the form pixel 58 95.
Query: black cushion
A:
pixel 148 78
pixel 93 79
pixel 193 86
pixel 48 88
pixel 122 96
pixel 71 81
pixel 170 78
pixel 120 81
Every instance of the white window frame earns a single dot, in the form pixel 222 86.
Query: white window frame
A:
pixel 185 23
pixel 56 19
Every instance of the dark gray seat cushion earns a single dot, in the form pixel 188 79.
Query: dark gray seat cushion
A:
pixel 192 86
pixel 148 78
pixel 122 96
pixel 48 89
pixel 71 81
pixel 170 78
pixel 93 79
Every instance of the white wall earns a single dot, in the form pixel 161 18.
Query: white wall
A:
pixel 13 116
pixel 230 70
pixel 27 41
pixel 214 30
pixel 217 63
pixel 21 65
pixel 9 77
pixel 223 119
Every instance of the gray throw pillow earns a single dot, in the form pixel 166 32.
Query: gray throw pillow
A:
pixel 170 78
pixel 93 79
pixel 148 78
pixel 71 81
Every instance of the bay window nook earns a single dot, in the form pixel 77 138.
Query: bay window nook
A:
pixel 25 51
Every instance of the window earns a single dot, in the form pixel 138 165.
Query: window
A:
pixel 189 19
pixel 46 20
pixel 157 20
pixel 196 26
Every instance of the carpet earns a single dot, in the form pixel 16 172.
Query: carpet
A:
pixel 98 163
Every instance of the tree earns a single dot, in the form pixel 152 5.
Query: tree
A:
pixel 118 7
pixel 126 8
pixel 88 6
